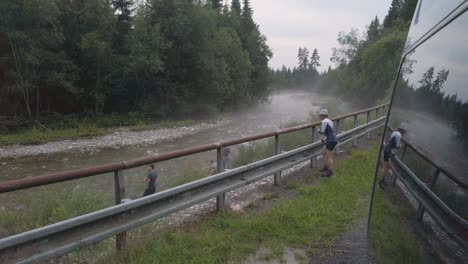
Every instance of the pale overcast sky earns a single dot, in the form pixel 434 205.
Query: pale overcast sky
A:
pixel 290 24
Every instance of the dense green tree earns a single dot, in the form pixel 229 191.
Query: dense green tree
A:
pixel 315 60
pixel 123 9
pixel 163 57
pixel 217 4
pixel 393 13
pixel 236 7
pixel 374 30
pixel 426 80
pixel 36 65
pixel 366 68
pixel 349 44
pixel 408 9
pixel 303 58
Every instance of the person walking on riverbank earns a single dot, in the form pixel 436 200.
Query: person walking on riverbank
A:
pixel 329 140
pixel 393 143
pixel 227 158
pixel 150 180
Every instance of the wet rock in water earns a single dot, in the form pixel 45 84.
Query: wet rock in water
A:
pixel 4 163
pixel 235 207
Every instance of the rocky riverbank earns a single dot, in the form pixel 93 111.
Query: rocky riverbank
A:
pixel 121 138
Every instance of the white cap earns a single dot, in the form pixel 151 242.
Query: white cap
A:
pixel 324 112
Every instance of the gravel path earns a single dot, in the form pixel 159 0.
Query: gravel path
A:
pixel 348 248
pixel 115 140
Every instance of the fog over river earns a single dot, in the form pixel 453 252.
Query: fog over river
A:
pixel 284 107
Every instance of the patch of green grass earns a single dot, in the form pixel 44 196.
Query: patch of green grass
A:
pixel 49 207
pixel 266 148
pixel 189 176
pixel 35 135
pixel 310 220
pixel 391 239
pixel 270 196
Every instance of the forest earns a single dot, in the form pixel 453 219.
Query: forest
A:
pixel 162 58
pixel 365 65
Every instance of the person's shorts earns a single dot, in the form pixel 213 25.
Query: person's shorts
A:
pixel 330 145
pixel 149 191
pixel 386 156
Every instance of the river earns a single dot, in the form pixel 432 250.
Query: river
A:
pixel 282 108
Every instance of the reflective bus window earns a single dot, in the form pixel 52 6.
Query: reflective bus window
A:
pixel 428 14
pixel 421 217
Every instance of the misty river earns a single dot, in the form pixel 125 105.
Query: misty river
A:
pixel 284 107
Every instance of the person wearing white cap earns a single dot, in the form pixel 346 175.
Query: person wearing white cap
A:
pixel 329 139
pixel 393 143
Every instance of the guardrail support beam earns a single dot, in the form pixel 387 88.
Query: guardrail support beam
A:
pixel 119 182
pixel 221 199
pixel 277 151
pixel 434 179
pixel 356 124
pixel 402 156
pixel 338 131
pixel 313 161
pixel 368 119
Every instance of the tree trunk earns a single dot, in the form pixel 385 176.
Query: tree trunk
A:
pixel 37 103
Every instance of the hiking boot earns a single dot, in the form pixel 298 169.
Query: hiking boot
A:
pixel 327 173
pixel 382 184
pixel 325 169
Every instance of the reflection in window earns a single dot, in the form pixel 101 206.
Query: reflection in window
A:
pixel 431 98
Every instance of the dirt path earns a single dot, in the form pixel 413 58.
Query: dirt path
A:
pixel 348 248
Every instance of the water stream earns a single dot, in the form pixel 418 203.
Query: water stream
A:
pixel 283 108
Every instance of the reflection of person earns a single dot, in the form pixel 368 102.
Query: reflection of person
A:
pixel 227 158
pixel 329 139
pixel 151 181
pixel 392 144
pixel 212 168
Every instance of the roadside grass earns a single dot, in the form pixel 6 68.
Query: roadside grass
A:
pixel 73 127
pixel 50 206
pixel 390 240
pixel 266 148
pixel 310 220
pixel 189 175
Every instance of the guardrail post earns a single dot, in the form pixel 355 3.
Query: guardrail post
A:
pixel 220 200
pixel 313 161
pixel 377 113
pixel 338 131
pixel 432 184
pixel 356 124
pixel 368 119
pixel 402 156
pixel 121 238
pixel 277 151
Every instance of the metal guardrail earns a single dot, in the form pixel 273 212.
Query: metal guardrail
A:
pixel 60 238
pixel 429 202
pixel 450 221
pixel 407 145
pixel 47 179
